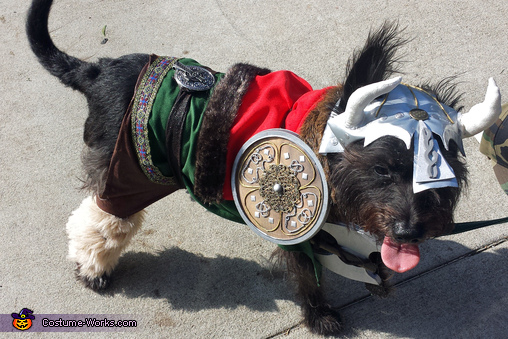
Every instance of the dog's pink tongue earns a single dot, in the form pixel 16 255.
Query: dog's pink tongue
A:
pixel 399 257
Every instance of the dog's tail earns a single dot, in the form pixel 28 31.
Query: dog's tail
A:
pixel 65 67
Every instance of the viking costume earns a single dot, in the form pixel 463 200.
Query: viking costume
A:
pixel 190 127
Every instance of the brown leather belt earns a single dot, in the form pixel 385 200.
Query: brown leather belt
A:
pixel 174 128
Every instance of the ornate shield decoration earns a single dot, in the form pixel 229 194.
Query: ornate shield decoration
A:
pixel 279 187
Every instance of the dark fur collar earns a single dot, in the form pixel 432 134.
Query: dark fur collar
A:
pixel 213 137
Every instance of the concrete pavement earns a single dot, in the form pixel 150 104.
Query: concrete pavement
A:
pixel 190 274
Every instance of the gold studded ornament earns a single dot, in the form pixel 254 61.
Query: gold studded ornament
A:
pixel 279 187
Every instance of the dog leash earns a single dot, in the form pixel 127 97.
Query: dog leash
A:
pixel 462 227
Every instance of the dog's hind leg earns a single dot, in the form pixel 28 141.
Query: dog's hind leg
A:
pixel 96 241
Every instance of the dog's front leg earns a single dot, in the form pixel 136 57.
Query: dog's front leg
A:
pixel 385 288
pixel 96 241
pixel 319 316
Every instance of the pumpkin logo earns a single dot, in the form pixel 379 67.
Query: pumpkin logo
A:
pixel 23 320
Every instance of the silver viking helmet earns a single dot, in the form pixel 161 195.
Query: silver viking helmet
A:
pixel 389 108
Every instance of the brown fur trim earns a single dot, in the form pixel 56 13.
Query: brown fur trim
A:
pixel 213 136
pixel 314 125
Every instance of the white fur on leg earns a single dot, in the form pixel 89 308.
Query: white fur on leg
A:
pixel 97 238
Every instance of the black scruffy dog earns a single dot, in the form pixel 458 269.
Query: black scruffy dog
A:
pixel 371 186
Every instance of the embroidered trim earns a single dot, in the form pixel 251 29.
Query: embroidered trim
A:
pixel 141 109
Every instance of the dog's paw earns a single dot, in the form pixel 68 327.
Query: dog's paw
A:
pixel 323 320
pixel 385 289
pixel 382 291
pixel 96 284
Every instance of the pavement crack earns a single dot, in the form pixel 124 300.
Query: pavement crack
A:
pixel 285 331
pixel 233 25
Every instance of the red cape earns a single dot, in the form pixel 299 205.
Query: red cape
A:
pixel 277 100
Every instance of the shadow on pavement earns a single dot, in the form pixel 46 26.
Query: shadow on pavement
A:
pixel 193 282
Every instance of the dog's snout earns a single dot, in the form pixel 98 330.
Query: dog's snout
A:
pixel 404 232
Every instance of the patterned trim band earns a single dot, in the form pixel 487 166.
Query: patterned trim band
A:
pixel 141 109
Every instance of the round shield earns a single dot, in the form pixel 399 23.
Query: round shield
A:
pixel 279 187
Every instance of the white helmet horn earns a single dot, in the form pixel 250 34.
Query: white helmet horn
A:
pixel 364 96
pixel 483 115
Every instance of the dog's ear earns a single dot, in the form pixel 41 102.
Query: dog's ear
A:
pixel 445 91
pixel 375 62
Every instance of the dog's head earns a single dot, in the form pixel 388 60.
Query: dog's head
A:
pixel 399 171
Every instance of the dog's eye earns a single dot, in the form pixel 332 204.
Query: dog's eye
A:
pixel 382 171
